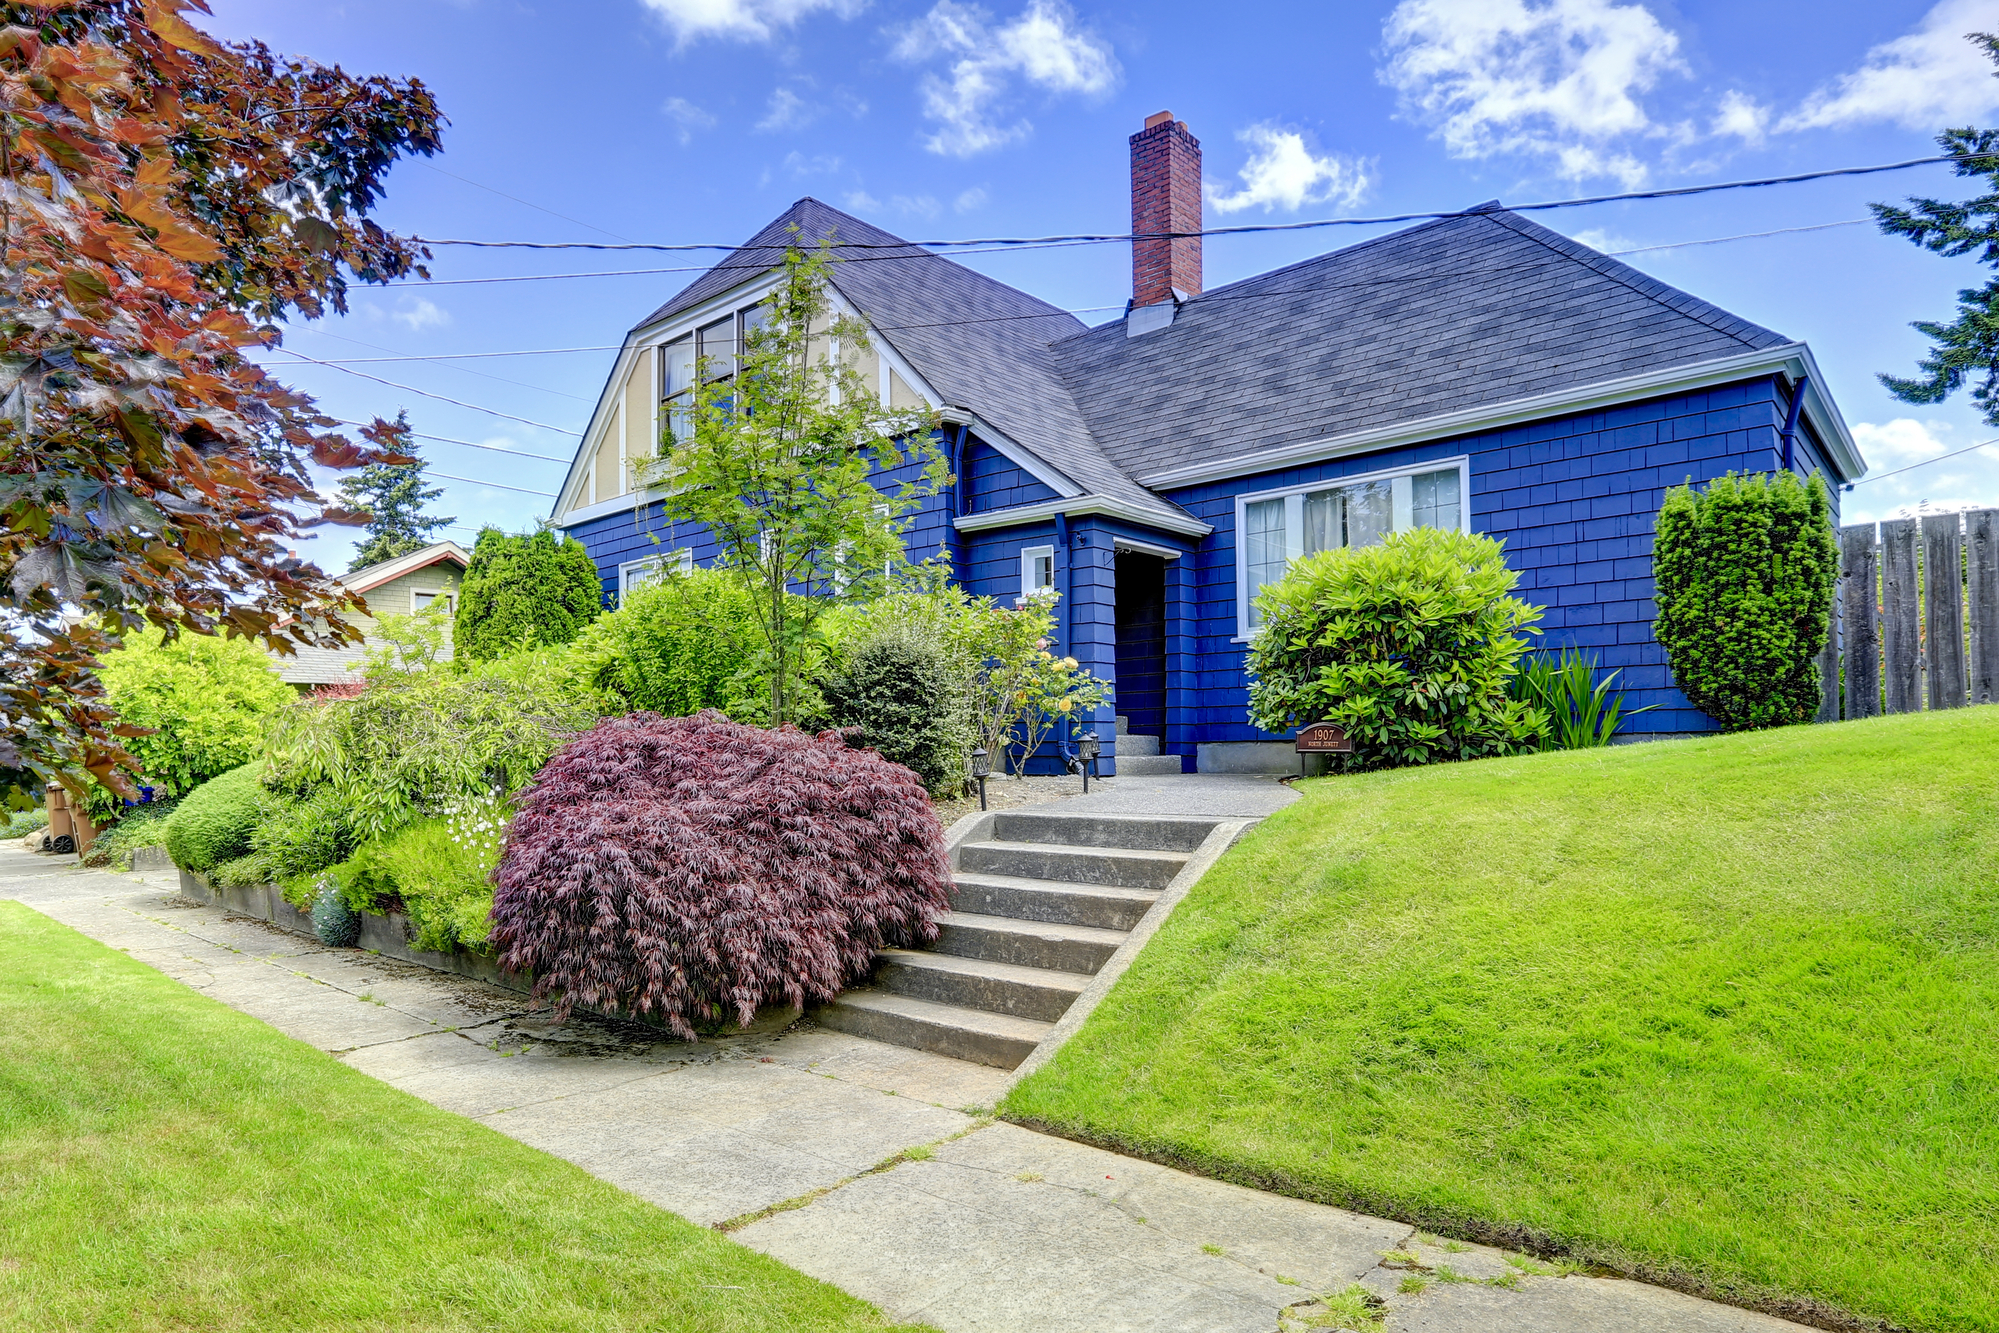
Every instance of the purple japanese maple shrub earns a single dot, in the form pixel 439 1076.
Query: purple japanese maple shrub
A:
pixel 692 867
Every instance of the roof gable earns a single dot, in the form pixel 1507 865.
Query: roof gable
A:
pixel 385 571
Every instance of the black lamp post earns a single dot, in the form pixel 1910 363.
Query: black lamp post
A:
pixel 981 769
pixel 1087 749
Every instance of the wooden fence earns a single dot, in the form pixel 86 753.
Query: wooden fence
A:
pixel 1907 640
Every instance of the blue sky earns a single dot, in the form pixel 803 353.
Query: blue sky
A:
pixel 699 120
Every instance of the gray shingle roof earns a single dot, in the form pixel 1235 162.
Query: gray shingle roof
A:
pixel 981 344
pixel 1447 316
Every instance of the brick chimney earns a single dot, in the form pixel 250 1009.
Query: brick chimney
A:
pixel 1165 196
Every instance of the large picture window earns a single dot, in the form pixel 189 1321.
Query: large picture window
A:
pixel 1276 527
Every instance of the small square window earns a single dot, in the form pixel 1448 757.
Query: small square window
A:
pixel 431 599
pixel 1037 570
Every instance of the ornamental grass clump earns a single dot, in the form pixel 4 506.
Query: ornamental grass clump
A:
pixel 694 868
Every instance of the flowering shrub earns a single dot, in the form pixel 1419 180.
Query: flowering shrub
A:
pixel 693 868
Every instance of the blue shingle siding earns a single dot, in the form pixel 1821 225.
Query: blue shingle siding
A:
pixel 1574 499
pixel 993 481
pixel 618 538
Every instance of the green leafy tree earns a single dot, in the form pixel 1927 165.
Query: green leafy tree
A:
pixel 205 700
pixel 678 646
pixel 784 462
pixel 1967 348
pixel 1407 646
pixel 393 495
pixel 1744 573
pixel 537 587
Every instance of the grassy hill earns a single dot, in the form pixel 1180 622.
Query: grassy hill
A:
pixel 1719 1012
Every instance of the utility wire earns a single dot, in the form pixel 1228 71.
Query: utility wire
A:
pixel 498 486
pixel 469 444
pixel 1108 237
pixel 1925 463
pixel 559 393
pixel 522 202
pixel 463 356
pixel 425 393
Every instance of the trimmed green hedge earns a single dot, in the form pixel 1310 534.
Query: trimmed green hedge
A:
pixel 216 820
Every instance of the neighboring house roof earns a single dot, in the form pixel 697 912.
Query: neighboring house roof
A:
pixel 375 575
pixel 1442 328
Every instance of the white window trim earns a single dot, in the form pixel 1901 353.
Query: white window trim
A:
pixel 1028 555
pixel 635 574
pixel 1294 517
pixel 450 596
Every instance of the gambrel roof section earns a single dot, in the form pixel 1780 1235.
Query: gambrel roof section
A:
pixel 982 345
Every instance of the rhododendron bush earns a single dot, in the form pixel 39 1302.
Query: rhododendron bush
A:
pixel 695 868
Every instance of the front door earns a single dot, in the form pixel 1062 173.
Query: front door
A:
pixel 1141 642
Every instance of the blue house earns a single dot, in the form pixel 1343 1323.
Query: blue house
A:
pixel 1479 372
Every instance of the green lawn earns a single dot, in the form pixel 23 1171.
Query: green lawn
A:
pixel 1726 1008
pixel 169 1163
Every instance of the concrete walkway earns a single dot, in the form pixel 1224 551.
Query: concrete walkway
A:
pixel 870 1166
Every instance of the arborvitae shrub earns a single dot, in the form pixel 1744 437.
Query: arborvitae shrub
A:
pixel 1407 646
pixel 215 821
pixel 680 645
pixel 695 868
pixel 1745 572
pixel 538 585
pixel 895 695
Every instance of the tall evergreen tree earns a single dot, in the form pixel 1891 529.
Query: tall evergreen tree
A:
pixel 393 495
pixel 1967 348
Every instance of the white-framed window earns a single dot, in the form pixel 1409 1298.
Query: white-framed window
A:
pixel 1275 527
pixel 635 574
pixel 425 599
pixel 1037 570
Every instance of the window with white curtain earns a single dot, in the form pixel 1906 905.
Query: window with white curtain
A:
pixel 1276 527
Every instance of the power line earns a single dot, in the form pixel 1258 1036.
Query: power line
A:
pixel 1925 463
pixel 498 486
pixel 464 356
pixel 338 337
pixel 687 268
pixel 1745 236
pixel 425 393
pixel 522 202
pixel 1108 237
pixel 469 444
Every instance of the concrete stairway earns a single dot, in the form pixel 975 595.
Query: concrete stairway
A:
pixel 1138 756
pixel 1039 905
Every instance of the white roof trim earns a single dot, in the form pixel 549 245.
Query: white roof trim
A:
pixel 1791 359
pixel 375 575
pixel 1023 459
pixel 1077 506
pixel 1147 548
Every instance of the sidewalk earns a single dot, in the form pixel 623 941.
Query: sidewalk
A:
pixel 869 1166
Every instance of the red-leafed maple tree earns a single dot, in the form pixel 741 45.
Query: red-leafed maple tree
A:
pixel 695 868
pixel 163 197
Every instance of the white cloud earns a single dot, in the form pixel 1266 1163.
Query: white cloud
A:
pixel 860 201
pixel 786 111
pixel 921 205
pixel 742 20
pixel 1043 45
pixel 1603 240
pixel 1282 172
pixel 970 200
pixel 1923 80
pixel 420 315
pixel 1557 79
pixel 1741 117
pixel 687 116
pixel 1900 442
pixel 819 164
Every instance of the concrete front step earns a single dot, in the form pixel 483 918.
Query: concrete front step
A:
pixel 1121 866
pixel 1148 765
pixel 1002 939
pixel 1106 907
pixel 1138 832
pixel 986 1038
pixel 977 983
pixel 1130 746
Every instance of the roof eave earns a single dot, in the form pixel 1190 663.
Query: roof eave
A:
pixel 1185 525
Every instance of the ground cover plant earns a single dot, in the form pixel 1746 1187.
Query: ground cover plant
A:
pixel 1714 1011
pixel 1407 645
pixel 170 1164
pixel 693 869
